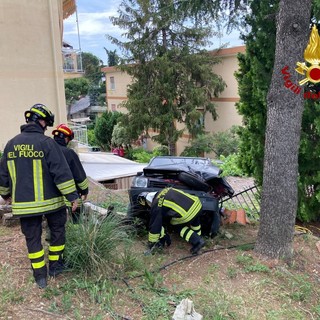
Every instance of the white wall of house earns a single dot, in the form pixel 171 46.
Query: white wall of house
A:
pixel 30 62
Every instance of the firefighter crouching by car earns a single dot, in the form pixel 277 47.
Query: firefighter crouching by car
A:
pixel 63 135
pixel 35 177
pixel 180 209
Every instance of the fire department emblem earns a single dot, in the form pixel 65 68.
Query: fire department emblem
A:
pixel 311 69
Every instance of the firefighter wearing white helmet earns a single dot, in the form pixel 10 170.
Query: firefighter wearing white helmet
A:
pixel 181 209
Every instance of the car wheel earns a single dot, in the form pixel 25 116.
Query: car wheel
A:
pixel 193 181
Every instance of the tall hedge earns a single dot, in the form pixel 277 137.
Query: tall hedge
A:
pixel 254 77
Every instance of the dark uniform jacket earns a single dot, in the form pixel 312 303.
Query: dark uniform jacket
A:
pixel 79 175
pixel 34 172
pixel 180 206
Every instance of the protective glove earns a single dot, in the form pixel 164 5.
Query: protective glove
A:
pixel 165 240
pixel 155 245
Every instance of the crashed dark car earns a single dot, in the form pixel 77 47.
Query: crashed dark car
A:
pixel 197 176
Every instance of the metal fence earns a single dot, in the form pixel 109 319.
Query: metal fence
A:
pixel 80 132
pixel 247 199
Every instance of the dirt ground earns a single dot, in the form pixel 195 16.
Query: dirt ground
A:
pixel 209 270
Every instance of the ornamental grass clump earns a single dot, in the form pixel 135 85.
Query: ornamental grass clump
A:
pixel 97 245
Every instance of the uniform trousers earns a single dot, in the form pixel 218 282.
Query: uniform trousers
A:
pixel 31 227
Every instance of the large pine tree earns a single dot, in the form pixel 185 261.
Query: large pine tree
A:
pixel 173 78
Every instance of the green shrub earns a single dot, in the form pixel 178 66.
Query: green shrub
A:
pixel 92 138
pixel 225 143
pixel 230 165
pixel 160 151
pixel 221 143
pixel 141 155
pixel 95 245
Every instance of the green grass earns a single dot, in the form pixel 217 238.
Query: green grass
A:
pixel 110 275
pixel 98 245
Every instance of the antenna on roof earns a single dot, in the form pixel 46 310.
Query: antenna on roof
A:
pixel 79 42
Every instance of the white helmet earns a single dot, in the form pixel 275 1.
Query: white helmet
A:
pixel 150 197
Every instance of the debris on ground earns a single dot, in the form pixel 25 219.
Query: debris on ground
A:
pixel 231 216
pixel 185 311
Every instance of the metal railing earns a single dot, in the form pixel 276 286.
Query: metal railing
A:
pixel 247 199
pixel 72 61
pixel 80 132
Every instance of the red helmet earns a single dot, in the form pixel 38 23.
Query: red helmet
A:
pixel 64 131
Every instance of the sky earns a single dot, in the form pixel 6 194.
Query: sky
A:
pixel 94 23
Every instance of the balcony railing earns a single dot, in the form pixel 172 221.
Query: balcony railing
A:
pixel 72 61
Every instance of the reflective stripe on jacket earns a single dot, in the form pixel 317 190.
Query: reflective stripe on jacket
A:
pixel 35 173
pixel 79 175
pixel 182 207
pixel 185 205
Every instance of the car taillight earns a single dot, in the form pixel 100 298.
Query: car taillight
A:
pixel 140 182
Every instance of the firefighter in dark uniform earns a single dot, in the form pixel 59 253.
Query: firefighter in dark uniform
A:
pixel 35 177
pixel 63 135
pixel 181 210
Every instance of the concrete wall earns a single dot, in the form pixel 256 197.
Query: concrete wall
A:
pixel 30 62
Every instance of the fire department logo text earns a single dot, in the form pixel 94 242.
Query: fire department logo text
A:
pixel 25 151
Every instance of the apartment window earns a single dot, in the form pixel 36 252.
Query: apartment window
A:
pixel 112 84
pixel 113 107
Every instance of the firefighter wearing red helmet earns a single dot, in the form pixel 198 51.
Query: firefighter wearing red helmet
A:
pixel 36 178
pixel 62 134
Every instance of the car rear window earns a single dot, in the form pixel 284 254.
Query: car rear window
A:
pixel 186 161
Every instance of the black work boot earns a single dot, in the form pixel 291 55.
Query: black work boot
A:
pixel 197 246
pixel 197 243
pixel 57 268
pixel 40 276
pixel 166 239
pixel 41 282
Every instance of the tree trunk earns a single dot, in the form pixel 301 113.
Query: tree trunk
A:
pixel 284 114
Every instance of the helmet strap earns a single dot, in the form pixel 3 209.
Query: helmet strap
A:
pixel 42 123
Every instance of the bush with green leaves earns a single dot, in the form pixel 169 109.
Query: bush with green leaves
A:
pixel 160 151
pixel 230 165
pixel 221 143
pixel 143 156
pixel 104 128
pixel 120 135
pixel 91 138
pixel 95 245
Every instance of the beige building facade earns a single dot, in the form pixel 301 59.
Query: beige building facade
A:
pixel 31 61
pixel 117 83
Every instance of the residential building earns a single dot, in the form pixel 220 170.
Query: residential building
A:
pixel 31 61
pixel 118 81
